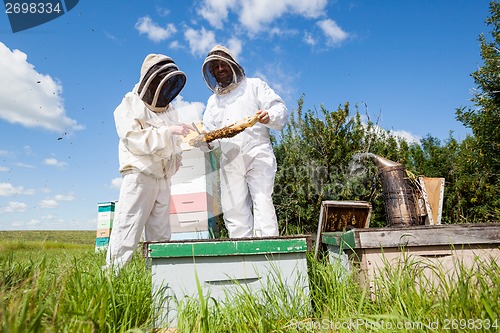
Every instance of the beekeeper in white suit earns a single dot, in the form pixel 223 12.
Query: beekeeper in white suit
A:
pixel 248 164
pixel 149 154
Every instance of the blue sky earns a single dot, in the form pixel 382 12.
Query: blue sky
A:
pixel 406 64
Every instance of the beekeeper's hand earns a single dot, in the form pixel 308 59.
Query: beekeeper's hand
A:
pixel 263 116
pixel 181 129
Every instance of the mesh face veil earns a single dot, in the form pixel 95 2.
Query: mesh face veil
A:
pixel 220 53
pixel 161 83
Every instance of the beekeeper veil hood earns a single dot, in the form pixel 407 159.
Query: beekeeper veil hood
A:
pixel 220 53
pixel 161 81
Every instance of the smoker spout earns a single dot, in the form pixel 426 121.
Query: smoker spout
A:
pixel 380 162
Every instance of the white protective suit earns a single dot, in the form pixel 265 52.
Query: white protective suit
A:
pixel 148 156
pixel 247 165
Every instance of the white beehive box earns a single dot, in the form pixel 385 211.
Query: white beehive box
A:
pixel 105 217
pixel 194 204
pixel 224 267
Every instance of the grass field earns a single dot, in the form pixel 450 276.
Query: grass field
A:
pixel 29 245
pixel 66 236
pixel 54 283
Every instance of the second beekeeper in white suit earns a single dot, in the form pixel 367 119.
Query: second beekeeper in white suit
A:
pixel 247 164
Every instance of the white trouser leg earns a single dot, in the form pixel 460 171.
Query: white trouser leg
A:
pixel 260 179
pixel 158 225
pixel 235 202
pixel 137 197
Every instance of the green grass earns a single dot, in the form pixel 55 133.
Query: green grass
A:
pixel 65 290
pixel 57 236
pixel 33 244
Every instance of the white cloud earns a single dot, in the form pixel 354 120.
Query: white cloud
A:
pixel 234 45
pixel 334 34
pixel 281 32
pixel 14 207
pixel 217 11
pixel 162 11
pixel 188 111
pixel 279 80
pixel 111 36
pixel 7 190
pixel 62 197
pixel 4 169
pixel 54 162
pixel 33 222
pixel 200 41
pixel 116 182
pixel 175 45
pixel 154 32
pixel 28 151
pixel 54 202
pixel 48 203
pixel 24 165
pixel 19 225
pixel 309 39
pixel 397 134
pixel 19 83
pixel 16 224
pixel 409 137
pixel 255 15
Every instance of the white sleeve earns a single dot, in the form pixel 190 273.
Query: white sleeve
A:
pixel 273 104
pixel 209 125
pixel 139 137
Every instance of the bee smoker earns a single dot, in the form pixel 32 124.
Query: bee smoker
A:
pixel 399 199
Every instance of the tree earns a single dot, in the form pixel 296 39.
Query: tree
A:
pixel 479 159
pixel 317 148
pixel 313 156
pixel 318 160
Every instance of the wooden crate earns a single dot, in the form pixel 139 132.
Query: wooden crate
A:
pixel 445 247
pixel 342 215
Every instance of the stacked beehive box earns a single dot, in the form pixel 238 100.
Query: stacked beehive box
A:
pixel 194 204
pixel 105 217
